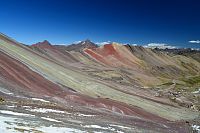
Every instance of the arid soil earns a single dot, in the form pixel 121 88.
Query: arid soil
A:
pixel 88 88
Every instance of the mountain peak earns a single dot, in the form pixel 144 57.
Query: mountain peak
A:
pixel 86 42
pixel 81 45
pixel 44 44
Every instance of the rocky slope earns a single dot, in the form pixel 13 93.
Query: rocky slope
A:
pixel 86 88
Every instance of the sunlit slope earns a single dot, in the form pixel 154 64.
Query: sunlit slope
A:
pixel 114 55
pixel 84 84
pixel 17 77
pixel 148 67
pixel 62 55
pixel 164 65
pixel 46 49
pixel 144 60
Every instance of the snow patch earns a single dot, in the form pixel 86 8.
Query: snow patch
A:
pixel 6 127
pixel 60 130
pixel 43 110
pixel 122 127
pixel 38 99
pixel 196 128
pixel 196 92
pixel 4 124
pixel 27 106
pixel 79 114
pixel 14 113
pixel 5 91
pixel 93 126
pixel 11 106
pixel 50 119
pixel 100 127
pixel 83 43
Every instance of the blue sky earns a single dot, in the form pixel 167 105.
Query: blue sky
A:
pixel 173 22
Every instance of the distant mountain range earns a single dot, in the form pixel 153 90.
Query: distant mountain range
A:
pixel 138 88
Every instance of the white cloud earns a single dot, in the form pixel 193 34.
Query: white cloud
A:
pixel 76 42
pixel 194 41
pixel 134 44
pixel 109 42
pixel 103 43
pixel 159 45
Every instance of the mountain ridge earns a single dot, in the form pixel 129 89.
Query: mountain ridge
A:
pixel 138 84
